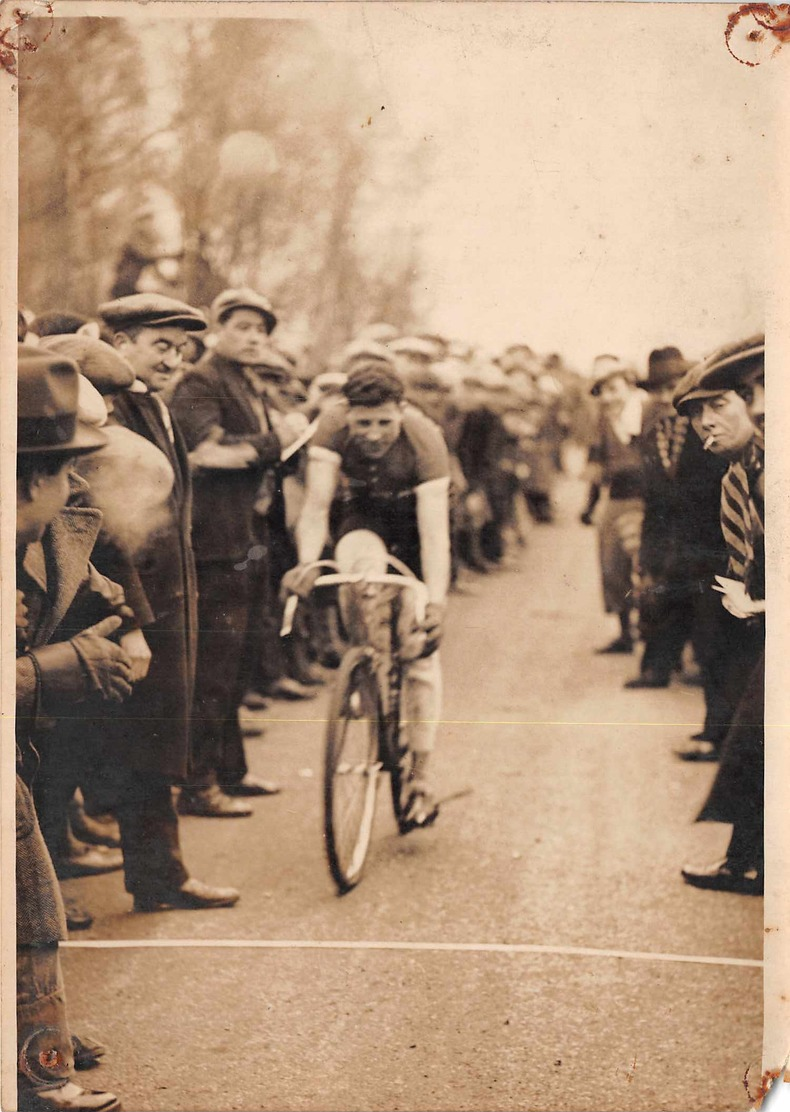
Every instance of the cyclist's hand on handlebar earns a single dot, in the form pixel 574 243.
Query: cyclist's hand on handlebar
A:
pixel 433 626
pixel 299 581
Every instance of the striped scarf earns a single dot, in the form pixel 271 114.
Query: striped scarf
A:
pixel 740 522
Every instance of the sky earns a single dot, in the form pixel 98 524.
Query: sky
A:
pixel 600 173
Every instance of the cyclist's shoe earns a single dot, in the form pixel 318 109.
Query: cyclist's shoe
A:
pixel 421 808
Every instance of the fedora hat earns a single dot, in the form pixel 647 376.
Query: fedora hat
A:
pixel 665 366
pixel 47 397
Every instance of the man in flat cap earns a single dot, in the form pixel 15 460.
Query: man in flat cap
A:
pixel 151 331
pixel 225 399
pixel 66 617
pixel 616 466
pixel 723 397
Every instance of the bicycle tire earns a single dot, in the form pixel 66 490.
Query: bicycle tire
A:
pixel 351 768
pixel 397 762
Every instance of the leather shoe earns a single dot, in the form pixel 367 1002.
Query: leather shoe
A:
pixel 253 700
pixel 90 830
pixel 723 876
pixel 193 895
pixel 68 1098
pixel 90 861
pixel 251 785
pixel 288 688
pixel 646 679
pixel 704 751
pixel 211 803
pixel 78 918
pixel 619 645
pixel 87 1052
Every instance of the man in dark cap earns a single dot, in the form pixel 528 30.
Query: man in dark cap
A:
pixel 151 331
pixel 65 618
pixel 681 546
pixel 723 398
pixel 224 399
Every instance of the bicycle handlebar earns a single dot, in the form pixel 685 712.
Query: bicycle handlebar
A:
pixel 337 578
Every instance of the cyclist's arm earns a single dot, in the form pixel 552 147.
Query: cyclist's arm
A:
pixel 433 522
pixel 312 528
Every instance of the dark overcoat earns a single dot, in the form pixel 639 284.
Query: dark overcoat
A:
pixel 150 732
pixel 681 531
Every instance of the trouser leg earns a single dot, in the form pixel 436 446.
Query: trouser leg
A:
pixel 152 858
pixel 223 616
pixel 45 1057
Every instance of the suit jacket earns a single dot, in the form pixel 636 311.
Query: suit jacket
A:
pixel 681 535
pixel 150 733
pixel 217 395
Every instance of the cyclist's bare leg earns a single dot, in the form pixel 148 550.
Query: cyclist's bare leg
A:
pixel 363 552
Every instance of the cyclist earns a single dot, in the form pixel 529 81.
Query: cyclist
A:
pixel 385 466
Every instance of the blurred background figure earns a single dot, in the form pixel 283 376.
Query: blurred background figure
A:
pixel 616 471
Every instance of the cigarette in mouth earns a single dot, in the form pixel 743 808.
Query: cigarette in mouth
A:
pixel 709 443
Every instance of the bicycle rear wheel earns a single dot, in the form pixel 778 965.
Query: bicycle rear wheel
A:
pixel 351 768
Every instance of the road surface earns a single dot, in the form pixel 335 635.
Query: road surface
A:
pixel 536 949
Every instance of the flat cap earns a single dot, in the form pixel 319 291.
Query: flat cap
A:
pixel 735 363
pixel 691 389
pixel 101 364
pixel 414 347
pixel 424 378
pixel 152 310
pixel 243 298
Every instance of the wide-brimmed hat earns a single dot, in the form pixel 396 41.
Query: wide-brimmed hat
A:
pixel 47 398
pixel 665 366
pixel 151 310
pixel 101 364
pixel 243 298
pixel 606 367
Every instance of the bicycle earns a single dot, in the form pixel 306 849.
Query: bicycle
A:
pixel 363 739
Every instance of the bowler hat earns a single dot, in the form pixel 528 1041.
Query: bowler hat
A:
pixel 735 363
pixel 244 298
pixel 665 366
pixel 610 366
pixel 47 392
pixel 101 364
pixel 151 310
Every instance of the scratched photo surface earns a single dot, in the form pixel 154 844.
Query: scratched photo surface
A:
pixel 535 219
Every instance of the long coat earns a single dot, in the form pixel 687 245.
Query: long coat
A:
pixel 150 733
pixel 217 395
pixel 76 597
pixel 681 533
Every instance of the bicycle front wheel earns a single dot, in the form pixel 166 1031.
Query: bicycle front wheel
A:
pixel 351 768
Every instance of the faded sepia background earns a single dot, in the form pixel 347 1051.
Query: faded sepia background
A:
pixel 584 178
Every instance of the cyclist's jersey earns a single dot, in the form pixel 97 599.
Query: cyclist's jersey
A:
pixel 379 494
pixel 417 456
